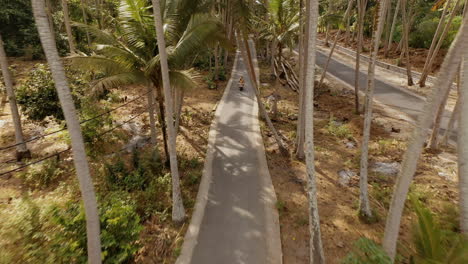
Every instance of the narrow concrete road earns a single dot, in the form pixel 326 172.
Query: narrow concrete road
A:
pixel 387 94
pixel 239 223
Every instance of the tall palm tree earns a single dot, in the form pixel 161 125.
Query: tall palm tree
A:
pixel 130 54
pixel 316 249
pixel 74 129
pixel 66 20
pixel 361 4
pixel 282 25
pixel 21 149
pixel 447 72
pixel 463 146
pixel 178 211
pixel 365 209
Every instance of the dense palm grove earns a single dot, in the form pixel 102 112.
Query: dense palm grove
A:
pixel 97 198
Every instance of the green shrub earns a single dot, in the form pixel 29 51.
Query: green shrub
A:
pixel 39 99
pixel 53 230
pixel 338 130
pixel 432 243
pixel 41 175
pixel 144 168
pixel 120 228
pixel 366 251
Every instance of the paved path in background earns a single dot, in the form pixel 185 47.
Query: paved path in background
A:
pixel 239 223
pixel 389 95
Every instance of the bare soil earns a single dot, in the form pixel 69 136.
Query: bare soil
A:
pixel 338 205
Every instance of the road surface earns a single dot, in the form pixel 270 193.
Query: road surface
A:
pixel 240 222
pixel 385 93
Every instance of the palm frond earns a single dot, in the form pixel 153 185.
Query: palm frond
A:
pixel 185 79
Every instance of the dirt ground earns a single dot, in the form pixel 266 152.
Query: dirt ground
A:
pixel 340 224
pixel 160 239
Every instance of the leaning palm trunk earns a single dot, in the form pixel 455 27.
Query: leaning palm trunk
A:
pixel 178 211
pixel 463 147
pixel 21 149
pixel 247 56
pixel 392 29
pixel 436 34
pixel 365 209
pixel 74 129
pixel 434 138
pixel 453 117
pixel 66 20
pixel 325 69
pixel 447 72
pixel 315 245
pixel 426 70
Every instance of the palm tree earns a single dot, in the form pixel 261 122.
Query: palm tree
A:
pixel 316 249
pixel 21 149
pixel 282 26
pixel 463 146
pixel 178 211
pixel 431 56
pixel 74 129
pixel 130 55
pixel 66 20
pixel 392 29
pixel 447 72
pixel 361 4
pixel 365 209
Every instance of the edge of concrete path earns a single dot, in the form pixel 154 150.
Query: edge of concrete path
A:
pixel 384 65
pixel 274 245
pixel 191 236
pixel 402 115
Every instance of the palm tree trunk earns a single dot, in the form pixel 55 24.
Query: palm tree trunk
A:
pixel 325 69
pixel 66 20
pixel 21 149
pixel 387 25
pixel 49 16
pixel 216 55
pixel 300 134
pixel 406 27
pixel 178 211
pixel 434 138
pixel 74 129
pixel 390 39
pixel 154 137
pixel 436 34
pixel 454 116
pixel 85 20
pixel 426 71
pixel 349 9
pixel 361 13
pixel 447 72
pixel 462 148
pixel 315 245
pixel 180 103
pixel 365 209
pixel 161 118
pixel 247 55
